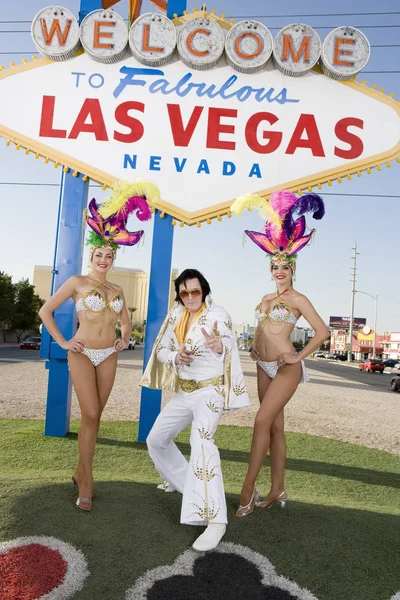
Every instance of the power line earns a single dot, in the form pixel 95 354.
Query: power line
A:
pixel 360 14
pixel 354 14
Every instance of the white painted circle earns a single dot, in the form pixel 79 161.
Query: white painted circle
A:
pixel 209 39
pixel 287 46
pixel 366 330
pixel 161 34
pixel 40 29
pixel 359 58
pixel 248 37
pixel 119 39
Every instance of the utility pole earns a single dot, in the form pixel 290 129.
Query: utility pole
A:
pixel 353 292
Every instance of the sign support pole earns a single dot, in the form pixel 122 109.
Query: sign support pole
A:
pixel 160 277
pixel 67 262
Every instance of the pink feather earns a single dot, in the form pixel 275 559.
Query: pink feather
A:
pixel 282 200
pixel 137 203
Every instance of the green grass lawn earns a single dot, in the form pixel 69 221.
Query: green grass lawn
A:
pixel 338 536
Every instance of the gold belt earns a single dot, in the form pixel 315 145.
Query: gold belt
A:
pixel 191 385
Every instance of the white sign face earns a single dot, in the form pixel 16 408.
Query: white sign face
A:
pixel 205 137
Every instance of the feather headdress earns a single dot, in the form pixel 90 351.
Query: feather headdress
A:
pixel 108 220
pixel 283 234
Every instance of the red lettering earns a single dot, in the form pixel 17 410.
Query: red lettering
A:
pixel 215 128
pixel 288 48
pixel 90 108
pixel 146 41
pixel 62 36
pixel 307 124
pixel 97 34
pixel 182 135
pixel 274 137
pixel 123 117
pixel 338 51
pixel 344 135
pixel 47 118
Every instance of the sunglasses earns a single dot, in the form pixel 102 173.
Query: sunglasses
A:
pixel 184 294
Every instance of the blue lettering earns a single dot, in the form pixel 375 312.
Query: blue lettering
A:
pixel 101 80
pixel 185 86
pixel 77 77
pixel 228 168
pixel 155 163
pixel 255 170
pixel 179 166
pixel 244 93
pixel 131 160
pixel 130 73
pixel 160 85
pixel 203 167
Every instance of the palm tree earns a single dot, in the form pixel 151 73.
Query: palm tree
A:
pixel 132 309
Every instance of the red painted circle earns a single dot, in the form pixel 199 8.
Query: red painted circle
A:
pixel 30 572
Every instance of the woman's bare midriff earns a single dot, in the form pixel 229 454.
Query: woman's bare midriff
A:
pixel 98 334
pixel 96 330
pixel 270 346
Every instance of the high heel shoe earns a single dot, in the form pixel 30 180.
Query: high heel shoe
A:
pixel 282 499
pixel 76 485
pixel 243 511
pixel 84 504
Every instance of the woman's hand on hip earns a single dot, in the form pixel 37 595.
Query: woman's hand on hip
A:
pixel 120 345
pixel 288 358
pixel 74 345
pixel 254 355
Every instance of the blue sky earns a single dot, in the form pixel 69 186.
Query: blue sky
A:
pixel 238 274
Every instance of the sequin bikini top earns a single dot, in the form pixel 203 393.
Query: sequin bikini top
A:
pixel 280 313
pixel 95 302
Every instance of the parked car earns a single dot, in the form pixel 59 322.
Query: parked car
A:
pixel 395 383
pixel 397 366
pixel 320 354
pixel 372 365
pixel 390 362
pixel 31 343
pixel 132 344
pixel 339 356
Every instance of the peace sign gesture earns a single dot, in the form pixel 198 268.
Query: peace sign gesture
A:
pixel 213 341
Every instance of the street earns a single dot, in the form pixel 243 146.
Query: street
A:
pixel 11 354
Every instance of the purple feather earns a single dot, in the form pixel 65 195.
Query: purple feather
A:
pixel 305 204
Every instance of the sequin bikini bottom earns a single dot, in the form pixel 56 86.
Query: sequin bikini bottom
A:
pixel 98 355
pixel 271 369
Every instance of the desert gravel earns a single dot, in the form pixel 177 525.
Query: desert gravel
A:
pixel 331 405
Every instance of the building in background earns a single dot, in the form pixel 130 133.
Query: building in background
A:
pixel 302 335
pixel 391 345
pixel 244 333
pixel 134 282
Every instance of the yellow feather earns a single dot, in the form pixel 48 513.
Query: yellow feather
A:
pixel 264 207
pixel 123 190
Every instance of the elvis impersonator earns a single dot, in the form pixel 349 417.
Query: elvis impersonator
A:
pixel 195 355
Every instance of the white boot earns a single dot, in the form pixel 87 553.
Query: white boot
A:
pixel 210 538
pixel 166 487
